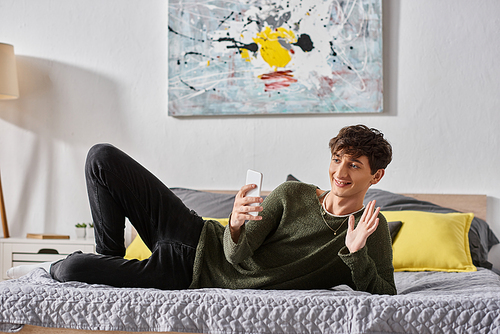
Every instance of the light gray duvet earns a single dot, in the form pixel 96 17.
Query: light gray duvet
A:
pixel 428 302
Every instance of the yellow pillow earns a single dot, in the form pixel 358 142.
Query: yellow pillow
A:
pixel 138 249
pixel 431 241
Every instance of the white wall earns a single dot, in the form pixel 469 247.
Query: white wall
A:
pixel 96 71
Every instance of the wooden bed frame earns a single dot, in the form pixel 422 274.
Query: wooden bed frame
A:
pixel 464 203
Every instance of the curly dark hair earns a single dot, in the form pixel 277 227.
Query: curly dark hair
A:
pixel 359 140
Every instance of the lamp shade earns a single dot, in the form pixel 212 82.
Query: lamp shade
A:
pixel 9 88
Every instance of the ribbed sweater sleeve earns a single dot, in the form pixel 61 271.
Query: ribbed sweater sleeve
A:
pixel 236 251
pixel 254 233
pixel 371 267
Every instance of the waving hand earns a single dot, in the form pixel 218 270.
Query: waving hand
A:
pixel 356 237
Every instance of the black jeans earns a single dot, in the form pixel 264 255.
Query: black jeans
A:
pixel 119 187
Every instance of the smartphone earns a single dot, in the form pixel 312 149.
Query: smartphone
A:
pixel 254 177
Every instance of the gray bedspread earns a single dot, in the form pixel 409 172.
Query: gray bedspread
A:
pixel 428 302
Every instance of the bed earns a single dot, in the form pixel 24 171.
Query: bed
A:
pixel 448 293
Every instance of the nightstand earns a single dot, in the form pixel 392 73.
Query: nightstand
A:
pixel 19 251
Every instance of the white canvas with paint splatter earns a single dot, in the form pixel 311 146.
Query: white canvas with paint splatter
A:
pixel 274 57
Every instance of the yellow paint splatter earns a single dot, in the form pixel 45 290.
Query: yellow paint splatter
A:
pixel 271 50
pixel 245 54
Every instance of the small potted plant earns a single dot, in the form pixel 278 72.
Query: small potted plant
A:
pixel 80 230
pixel 90 231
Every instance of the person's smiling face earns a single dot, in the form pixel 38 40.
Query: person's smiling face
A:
pixel 351 176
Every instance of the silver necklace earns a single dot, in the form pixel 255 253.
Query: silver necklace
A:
pixel 325 211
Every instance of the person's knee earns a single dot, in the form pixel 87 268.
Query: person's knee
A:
pixel 98 154
pixel 101 152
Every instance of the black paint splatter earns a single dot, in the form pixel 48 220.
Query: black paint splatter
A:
pixel 225 19
pixel 238 45
pixel 333 52
pixel 203 56
pixel 191 38
pixel 305 43
pixel 190 87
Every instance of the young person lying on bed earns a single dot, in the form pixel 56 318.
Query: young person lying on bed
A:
pixel 304 237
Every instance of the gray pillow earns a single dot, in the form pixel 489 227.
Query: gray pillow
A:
pixel 206 204
pixel 394 228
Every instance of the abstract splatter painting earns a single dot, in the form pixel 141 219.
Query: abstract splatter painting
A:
pixel 246 57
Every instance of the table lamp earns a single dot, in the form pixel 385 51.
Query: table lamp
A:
pixel 9 89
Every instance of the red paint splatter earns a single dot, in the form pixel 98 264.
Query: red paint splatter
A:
pixel 277 80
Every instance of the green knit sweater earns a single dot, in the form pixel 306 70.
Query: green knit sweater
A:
pixel 292 248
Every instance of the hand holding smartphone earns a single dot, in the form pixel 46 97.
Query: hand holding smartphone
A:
pixel 254 177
